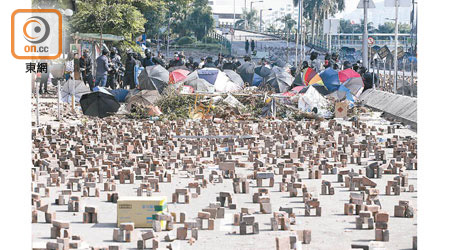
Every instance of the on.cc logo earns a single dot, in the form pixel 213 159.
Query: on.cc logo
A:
pixel 39 27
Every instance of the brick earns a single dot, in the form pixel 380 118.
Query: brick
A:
pixel 127 226
pixel 382 217
pixel 181 233
pixel 204 215
pixel 148 235
pixel 282 243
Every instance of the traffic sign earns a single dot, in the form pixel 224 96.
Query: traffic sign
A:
pixel 401 3
pixel 370 4
pixel 371 41
pixel 383 52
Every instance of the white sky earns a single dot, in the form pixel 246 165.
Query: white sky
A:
pixel 376 16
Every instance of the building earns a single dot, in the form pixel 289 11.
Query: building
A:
pixel 227 11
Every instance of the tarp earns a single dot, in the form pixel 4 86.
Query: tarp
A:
pixel 178 75
pixel 294 91
pixel 257 80
pixel 354 85
pixel 120 94
pixel 313 101
pixel 76 88
pixel 99 104
pixel 154 78
pixel 246 71
pixel 342 93
pixel 330 79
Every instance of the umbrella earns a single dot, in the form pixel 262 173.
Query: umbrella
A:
pixel 319 87
pixel 171 69
pixel 246 71
pixel 224 84
pixel 178 75
pixel 310 77
pixel 263 71
pixel 279 80
pixel 120 94
pixel 234 77
pixel 144 98
pixel 298 80
pixel 197 83
pixel 99 104
pixel 131 93
pixel 209 74
pixel 154 78
pixel 346 74
pixel 354 85
pixel 342 93
pixel 330 79
pixel 76 88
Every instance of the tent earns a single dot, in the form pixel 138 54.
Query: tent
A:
pixel 144 98
pixel 76 88
pixel 154 78
pixel 246 71
pixel 178 75
pixel 330 79
pixel 99 104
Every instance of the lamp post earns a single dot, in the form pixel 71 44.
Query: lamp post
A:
pixel 252 2
pixel 260 18
pixel 66 13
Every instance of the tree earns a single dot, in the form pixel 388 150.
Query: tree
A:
pixel 117 17
pixel 154 12
pixel 387 27
pixel 200 19
pixel 289 24
pixel 248 20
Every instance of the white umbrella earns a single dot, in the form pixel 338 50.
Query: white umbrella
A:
pixel 76 88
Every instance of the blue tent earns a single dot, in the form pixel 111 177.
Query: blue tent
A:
pixel 330 79
pixel 119 94
pixel 210 75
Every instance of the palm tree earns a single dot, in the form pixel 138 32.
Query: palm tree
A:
pixel 289 24
pixel 248 20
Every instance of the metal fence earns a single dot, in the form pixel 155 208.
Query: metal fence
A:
pixel 406 76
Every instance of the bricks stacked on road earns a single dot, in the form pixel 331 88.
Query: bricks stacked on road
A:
pixel 76 166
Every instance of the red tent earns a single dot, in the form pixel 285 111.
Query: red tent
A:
pixel 178 75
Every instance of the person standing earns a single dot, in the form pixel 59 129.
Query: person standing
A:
pixel 253 45
pixel 129 70
pixel 148 59
pixel 102 69
pixel 86 69
pixel 113 74
pixel 247 45
pixel 314 62
pixel 69 67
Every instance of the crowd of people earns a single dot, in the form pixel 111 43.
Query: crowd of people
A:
pixel 113 72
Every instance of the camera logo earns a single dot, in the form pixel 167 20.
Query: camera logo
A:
pixel 36 34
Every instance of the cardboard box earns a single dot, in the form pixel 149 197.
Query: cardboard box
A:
pixel 141 210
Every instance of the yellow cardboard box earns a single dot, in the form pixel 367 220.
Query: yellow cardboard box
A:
pixel 141 210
